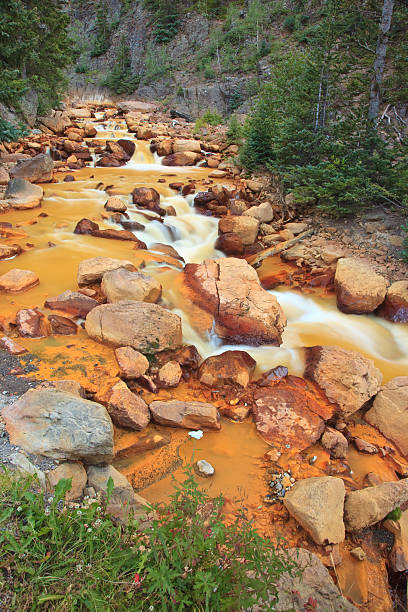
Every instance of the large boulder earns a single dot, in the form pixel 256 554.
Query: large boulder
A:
pixel 57 122
pixel 60 425
pixel 399 554
pixel 359 289
pixel 367 507
pixel 229 368
pixel 72 302
pixel 180 146
pixel 22 195
pixel 186 158
pixel 287 417
pixel 317 504
pixel 395 305
pixel 121 284
pixel 348 379
pixel 148 328
pixel 263 213
pixel 38 169
pixel 246 227
pixel 92 270
pixel 127 409
pixel 230 290
pixel 132 106
pixel 389 413
pixel 17 280
pixel 189 415
pixel 313 583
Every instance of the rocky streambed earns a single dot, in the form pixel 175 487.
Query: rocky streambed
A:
pixel 156 327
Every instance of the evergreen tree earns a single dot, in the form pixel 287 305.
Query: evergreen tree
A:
pixel 166 19
pixel 120 79
pixel 102 31
pixel 34 50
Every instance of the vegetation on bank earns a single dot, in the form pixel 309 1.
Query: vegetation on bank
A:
pixel 57 557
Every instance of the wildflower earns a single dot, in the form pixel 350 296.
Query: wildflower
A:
pixel 151 608
pixel 99 509
pixel 89 529
pixel 51 499
pixel 97 523
pixel 85 525
pixel 19 509
pixel 136 580
pixel 47 512
pixel 79 512
pixel 78 567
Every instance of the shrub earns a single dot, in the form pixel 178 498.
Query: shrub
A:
pixel 209 118
pixel 235 131
pixel 64 558
pixel 10 132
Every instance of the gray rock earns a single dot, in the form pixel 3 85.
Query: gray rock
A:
pixel 38 169
pixel 24 465
pixel 22 195
pixel 60 425
pixel 204 469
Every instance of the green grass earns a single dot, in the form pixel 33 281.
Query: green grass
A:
pixel 63 558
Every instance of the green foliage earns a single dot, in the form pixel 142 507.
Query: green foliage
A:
pixel 34 51
pixel 103 31
pixel 82 68
pixel 208 118
pixel 11 133
pixel 157 64
pixel 404 252
pixel 120 79
pixel 165 19
pixel 235 132
pixel 395 514
pixel 63 558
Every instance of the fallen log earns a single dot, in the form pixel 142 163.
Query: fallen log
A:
pixel 271 251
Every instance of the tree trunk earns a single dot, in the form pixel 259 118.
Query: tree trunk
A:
pixel 379 62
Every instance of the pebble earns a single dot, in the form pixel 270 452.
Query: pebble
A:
pixel 204 468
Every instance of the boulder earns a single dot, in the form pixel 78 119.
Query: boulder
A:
pixel 4 176
pixel 92 270
pixel 180 146
pixel 395 305
pixel 170 374
pixel 37 169
pixel 230 244
pixel 31 323
pixel 127 409
pixel 22 195
pixel 334 442
pixel 188 415
pixel 7 251
pixel 187 158
pixel 68 386
pixel 230 290
pixel 296 228
pixel 11 346
pixel 359 289
pixel 118 152
pixel 348 379
pixel 89 130
pixel 146 327
pixel 313 583
pixel 389 413
pixel 164 148
pixel 62 326
pixel 317 504
pixel 263 213
pixel 57 122
pixel 17 280
pixel 132 106
pixel 245 227
pixel 76 472
pixel 132 364
pixel 60 425
pixel 72 302
pixel 115 204
pixel 287 417
pixel 129 146
pixel 399 553
pixel 367 507
pixel 122 284
pixel 228 368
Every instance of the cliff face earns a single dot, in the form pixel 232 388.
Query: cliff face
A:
pixel 167 72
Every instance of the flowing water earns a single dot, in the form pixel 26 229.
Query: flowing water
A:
pixel 56 252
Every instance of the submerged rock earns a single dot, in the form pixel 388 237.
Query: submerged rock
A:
pixel 189 415
pixel 62 326
pixel 204 469
pixel 122 284
pixel 359 289
pixel 60 425
pixel 148 328
pixel 228 368
pixel 368 506
pixel 317 504
pixel 389 413
pixel 17 280
pixel 230 290
pixel 348 379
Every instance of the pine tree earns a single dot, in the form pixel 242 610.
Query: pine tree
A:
pixel 120 79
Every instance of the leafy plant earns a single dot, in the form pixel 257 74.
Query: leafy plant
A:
pixel 120 79
pixel 235 131
pixel 63 558
pixel 10 132
pixel 208 118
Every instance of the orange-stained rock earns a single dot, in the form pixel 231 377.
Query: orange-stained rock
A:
pixel 181 146
pixel 169 375
pixel 228 368
pixel 186 356
pixel 231 244
pixel 17 280
pixel 92 270
pixel 37 169
pixel 186 158
pixel 115 204
pixel 76 472
pixel 230 290
pixel 395 305
pixel 189 415
pixel 287 418
pixel 164 148
pixel 62 326
pixel 245 227
pixel 359 289
pixel 368 506
pixel 348 379
pixel 147 197
pixel 131 443
pixel 72 302
pixel 121 284
pixel 10 250
pixel 389 413
pixel 148 328
pixel 127 409
pixel 9 345
pixel 31 323
pixel 132 364
pixel 335 443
